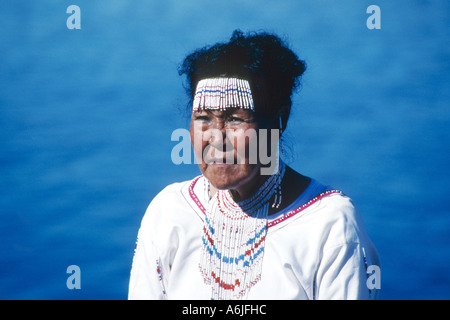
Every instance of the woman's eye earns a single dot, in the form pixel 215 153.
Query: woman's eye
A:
pixel 202 118
pixel 235 119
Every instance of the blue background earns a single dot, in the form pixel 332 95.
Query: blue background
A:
pixel 86 118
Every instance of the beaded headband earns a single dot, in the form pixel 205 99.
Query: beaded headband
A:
pixel 223 93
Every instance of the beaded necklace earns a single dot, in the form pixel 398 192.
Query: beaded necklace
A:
pixel 233 239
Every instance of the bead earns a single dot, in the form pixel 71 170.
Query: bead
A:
pixel 222 93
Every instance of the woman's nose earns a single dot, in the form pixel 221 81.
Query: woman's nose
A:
pixel 217 133
pixel 216 137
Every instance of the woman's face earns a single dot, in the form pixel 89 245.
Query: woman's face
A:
pixel 225 145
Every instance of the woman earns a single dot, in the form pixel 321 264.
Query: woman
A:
pixel 248 228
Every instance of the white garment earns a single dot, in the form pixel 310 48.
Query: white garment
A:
pixel 313 249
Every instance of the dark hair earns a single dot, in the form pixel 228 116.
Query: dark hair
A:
pixel 263 59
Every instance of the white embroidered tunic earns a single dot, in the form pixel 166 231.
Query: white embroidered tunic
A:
pixel 316 248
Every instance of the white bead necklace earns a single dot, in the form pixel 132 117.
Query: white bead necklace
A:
pixel 234 239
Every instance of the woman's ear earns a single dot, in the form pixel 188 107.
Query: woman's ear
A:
pixel 282 117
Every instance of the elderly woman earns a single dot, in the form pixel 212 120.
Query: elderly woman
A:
pixel 249 228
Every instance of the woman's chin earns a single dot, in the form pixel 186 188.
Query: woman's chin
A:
pixel 230 176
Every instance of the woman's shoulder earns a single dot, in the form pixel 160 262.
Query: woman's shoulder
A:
pixel 326 203
pixel 172 192
pixel 169 201
pixel 322 209
pixel 337 204
pixel 338 217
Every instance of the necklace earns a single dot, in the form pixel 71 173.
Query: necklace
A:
pixel 233 239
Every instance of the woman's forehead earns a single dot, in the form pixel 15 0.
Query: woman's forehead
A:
pixel 226 112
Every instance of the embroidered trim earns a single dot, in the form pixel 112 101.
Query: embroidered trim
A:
pixel 292 213
pixel 135 246
pixel 275 222
pixel 160 277
pixel 365 266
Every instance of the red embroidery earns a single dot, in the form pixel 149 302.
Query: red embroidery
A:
pixel 275 222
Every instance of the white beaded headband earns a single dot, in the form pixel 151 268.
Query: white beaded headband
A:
pixel 223 93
